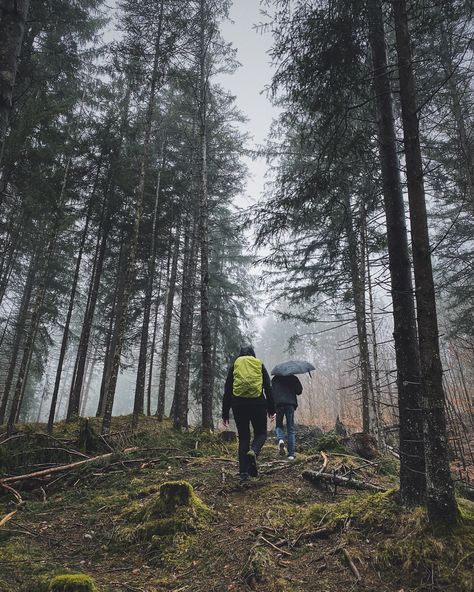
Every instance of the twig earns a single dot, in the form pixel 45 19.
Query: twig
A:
pixel 262 538
pixel 6 518
pixel 354 569
pixel 14 492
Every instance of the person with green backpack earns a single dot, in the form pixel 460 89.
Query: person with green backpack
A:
pixel 248 392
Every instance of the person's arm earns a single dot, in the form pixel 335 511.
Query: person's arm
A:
pixel 228 389
pixel 267 387
pixel 298 386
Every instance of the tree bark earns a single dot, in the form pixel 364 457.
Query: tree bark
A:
pixel 441 503
pixel 412 466
pixel 13 15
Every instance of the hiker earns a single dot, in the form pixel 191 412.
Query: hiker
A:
pixel 248 392
pixel 285 390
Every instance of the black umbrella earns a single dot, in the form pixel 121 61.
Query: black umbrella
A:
pixel 292 367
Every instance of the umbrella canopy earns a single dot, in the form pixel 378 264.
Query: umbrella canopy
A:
pixel 292 367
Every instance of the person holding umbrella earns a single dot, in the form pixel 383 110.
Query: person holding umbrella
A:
pixel 286 387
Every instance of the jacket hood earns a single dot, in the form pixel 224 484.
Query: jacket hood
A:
pixel 247 350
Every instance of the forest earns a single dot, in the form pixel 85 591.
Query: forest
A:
pixel 135 265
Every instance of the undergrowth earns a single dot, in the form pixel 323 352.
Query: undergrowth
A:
pixel 403 538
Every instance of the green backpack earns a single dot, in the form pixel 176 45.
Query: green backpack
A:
pixel 248 379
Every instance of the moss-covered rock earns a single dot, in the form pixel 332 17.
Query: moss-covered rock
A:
pixel 174 509
pixel 66 583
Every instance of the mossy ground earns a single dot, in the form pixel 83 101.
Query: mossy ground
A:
pixel 247 539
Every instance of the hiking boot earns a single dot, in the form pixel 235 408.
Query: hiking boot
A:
pixel 281 447
pixel 253 470
pixel 244 479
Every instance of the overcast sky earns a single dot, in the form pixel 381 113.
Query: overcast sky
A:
pixel 248 83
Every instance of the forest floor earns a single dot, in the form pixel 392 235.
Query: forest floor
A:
pixel 281 534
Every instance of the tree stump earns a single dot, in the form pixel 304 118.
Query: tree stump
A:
pixel 362 444
pixel 228 436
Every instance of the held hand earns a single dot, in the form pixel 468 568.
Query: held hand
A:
pixel 271 417
pixel 226 423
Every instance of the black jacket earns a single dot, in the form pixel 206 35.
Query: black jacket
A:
pixel 285 389
pixel 266 398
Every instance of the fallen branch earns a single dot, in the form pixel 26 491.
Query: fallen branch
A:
pixel 262 538
pixel 354 569
pixel 6 518
pixel 61 468
pixel 318 477
pixel 14 492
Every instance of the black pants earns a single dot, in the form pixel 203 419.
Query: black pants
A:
pixel 245 415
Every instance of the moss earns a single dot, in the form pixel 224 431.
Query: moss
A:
pixel 412 547
pixel 174 509
pixel 388 466
pixel 447 558
pixel 72 583
pixel 367 509
pixel 330 442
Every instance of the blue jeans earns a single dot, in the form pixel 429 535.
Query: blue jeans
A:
pixel 288 412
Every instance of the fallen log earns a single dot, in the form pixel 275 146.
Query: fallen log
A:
pixel 61 468
pixel 317 478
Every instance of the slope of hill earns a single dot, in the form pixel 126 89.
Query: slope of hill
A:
pixel 130 522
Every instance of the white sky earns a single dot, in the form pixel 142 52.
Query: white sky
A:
pixel 249 81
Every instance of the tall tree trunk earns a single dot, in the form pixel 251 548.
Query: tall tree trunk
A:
pixel 83 348
pixel 181 389
pixel 105 227
pixel 122 308
pixel 376 391
pixel 441 503
pixel 412 465
pixel 111 337
pixel 64 342
pixel 160 412
pixel 357 272
pixel 85 391
pixel 19 333
pixel 138 406
pixel 153 342
pixel 206 354
pixel 13 15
